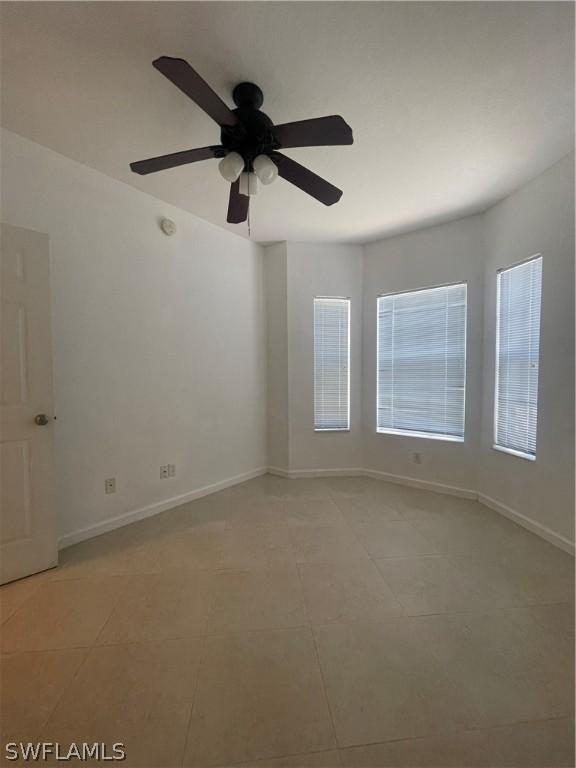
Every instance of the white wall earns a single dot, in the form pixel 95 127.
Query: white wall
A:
pixel 159 343
pixel 446 253
pixel 295 274
pixel 539 218
pixel 276 271
pixel 322 270
pixel 161 351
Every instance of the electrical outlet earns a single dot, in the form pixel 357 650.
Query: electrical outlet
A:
pixel 171 470
pixel 417 458
pixel 110 485
pixel 164 472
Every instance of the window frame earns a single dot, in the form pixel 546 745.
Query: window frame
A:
pixel 416 433
pixel 328 430
pixel 495 446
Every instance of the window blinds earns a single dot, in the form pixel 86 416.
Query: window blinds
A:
pixel 421 365
pixel 517 351
pixel 331 364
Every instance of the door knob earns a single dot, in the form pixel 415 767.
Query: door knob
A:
pixel 41 419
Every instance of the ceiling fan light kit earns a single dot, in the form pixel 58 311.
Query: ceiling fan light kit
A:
pixel 231 166
pixel 265 169
pixel 250 141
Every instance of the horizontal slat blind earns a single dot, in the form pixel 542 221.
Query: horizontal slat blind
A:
pixel 331 364
pixel 517 355
pixel 421 364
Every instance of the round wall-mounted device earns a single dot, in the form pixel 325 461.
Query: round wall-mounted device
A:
pixel 168 227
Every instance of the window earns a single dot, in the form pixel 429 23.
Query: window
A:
pixel 331 364
pixel 517 351
pixel 421 362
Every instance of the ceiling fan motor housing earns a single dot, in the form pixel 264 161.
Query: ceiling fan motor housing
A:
pixel 252 136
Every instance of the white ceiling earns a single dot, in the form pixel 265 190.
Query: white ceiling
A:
pixel 453 105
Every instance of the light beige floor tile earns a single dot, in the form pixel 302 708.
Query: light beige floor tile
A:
pixel 355 486
pixel 549 629
pixel 259 695
pixel 430 584
pixel 251 548
pixel 265 486
pixel 544 572
pixel 364 510
pixel 316 512
pixel 447 751
pixel 256 513
pixel 305 488
pixel 384 683
pixel 394 539
pixel 542 744
pixel 326 543
pixel 160 606
pixel 153 742
pixel 472 535
pixel 32 684
pixel 414 504
pixel 507 657
pixel 490 580
pixel 122 686
pixel 257 599
pixel 507 670
pixel 205 514
pixel 14 595
pixel 116 553
pixel 62 614
pixel 557 617
pixel 530 572
pixel 189 550
pixel 328 759
pixel 409 502
pixel 348 590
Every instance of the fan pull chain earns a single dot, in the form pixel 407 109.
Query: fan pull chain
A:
pixel 248 219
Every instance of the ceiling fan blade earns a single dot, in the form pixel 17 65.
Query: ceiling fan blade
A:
pixel 163 162
pixel 237 205
pixel 318 132
pixel 306 180
pixel 189 81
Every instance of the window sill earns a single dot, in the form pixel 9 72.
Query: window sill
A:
pixel 512 452
pixel 336 429
pixel 425 435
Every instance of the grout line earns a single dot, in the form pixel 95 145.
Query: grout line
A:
pixel 203 654
pixel 258 630
pixel 457 731
pixel 66 688
pixel 317 655
pixel 266 760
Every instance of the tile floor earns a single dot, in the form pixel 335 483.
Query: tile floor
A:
pixel 303 623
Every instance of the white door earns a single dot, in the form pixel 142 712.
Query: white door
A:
pixel 27 521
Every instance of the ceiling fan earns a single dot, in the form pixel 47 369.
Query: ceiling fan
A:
pixel 249 141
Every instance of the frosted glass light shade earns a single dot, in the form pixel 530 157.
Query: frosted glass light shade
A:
pixel 231 166
pixel 265 169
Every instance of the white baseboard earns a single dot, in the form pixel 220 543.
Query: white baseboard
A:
pixel 526 522
pixel 363 472
pixel 153 509
pixel 465 493
pixel 427 485
pixel 300 473
pixel 160 506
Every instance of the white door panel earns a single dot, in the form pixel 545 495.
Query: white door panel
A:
pixel 27 522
